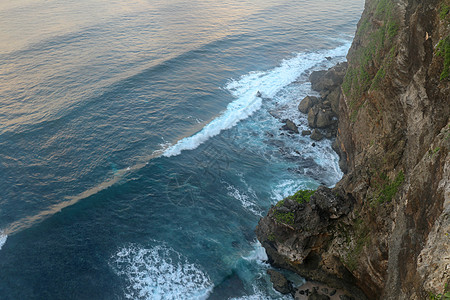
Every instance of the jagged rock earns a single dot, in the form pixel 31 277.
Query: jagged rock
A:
pixel 329 134
pixel 290 126
pixel 333 98
pixel 306 132
pixel 329 204
pixel 328 80
pixel 324 119
pixel 316 296
pixel 312 116
pixel 307 103
pixel 316 135
pixel 394 151
pixel 316 79
pixel 279 281
pixel 345 297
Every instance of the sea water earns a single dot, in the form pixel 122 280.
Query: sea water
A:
pixel 135 156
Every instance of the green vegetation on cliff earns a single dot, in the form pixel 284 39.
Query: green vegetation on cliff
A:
pixel 387 188
pixel 443 50
pixel 444 11
pixel 444 296
pixel 303 196
pixel 365 71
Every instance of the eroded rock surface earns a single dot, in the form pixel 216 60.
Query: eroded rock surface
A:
pixel 383 231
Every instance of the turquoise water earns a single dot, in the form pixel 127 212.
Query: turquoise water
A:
pixel 135 158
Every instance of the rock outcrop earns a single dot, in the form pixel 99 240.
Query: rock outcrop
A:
pixel 384 231
pixel 323 112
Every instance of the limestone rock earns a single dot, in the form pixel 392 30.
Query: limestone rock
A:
pixel 279 281
pixel 316 296
pixel 312 116
pixel 307 103
pixel 316 135
pixel 384 236
pixel 290 126
pixel 324 119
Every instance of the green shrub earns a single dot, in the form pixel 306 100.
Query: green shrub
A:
pixel 444 296
pixel 444 11
pixel 286 218
pixel 303 196
pixel 388 189
pixel 443 49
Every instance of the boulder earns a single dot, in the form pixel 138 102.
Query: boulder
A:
pixel 328 80
pixel 316 296
pixel 329 204
pixel 279 281
pixel 312 116
pixel 316 78
pixel 306 132
pixel 307 103
pixel 333 99
pixel 316 135
pixel 324 119
pixel 290 126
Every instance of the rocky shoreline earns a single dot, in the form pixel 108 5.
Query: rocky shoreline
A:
pixel 322 114
pixel 382 231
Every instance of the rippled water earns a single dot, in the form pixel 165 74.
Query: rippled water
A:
pixel 135 158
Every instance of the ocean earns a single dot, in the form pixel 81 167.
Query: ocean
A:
pixel 135 157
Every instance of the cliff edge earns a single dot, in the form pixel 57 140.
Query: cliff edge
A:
pixel 384 231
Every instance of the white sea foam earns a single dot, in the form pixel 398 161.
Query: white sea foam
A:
pixel 260 295
pixel 286 188
pixel 3 238
pixel 160 273
pixel 244 90
pixel 247 199
pixel 257 254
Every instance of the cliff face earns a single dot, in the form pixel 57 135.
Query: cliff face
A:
pixel 385 227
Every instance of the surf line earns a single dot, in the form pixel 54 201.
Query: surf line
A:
pixel 167 151
pixel 247 101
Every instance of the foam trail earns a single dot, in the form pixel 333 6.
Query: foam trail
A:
pixel 244 198
pixel 245 89
pixel 3 238
pixel 257 254
pixel 160 273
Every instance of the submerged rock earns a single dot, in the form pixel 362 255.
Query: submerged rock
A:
pixel 316 135
pixel 280 283
pixel 290 126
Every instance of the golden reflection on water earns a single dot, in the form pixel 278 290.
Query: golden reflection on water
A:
pixel 34 54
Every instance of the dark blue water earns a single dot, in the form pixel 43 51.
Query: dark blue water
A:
pixel 135 159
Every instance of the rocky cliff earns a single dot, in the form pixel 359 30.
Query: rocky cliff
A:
pixel 384 231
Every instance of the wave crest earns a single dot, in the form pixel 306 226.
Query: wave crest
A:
pixel 160 273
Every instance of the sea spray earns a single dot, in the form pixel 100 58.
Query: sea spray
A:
pixel 160 273
pixel 3 238
pixel 246 92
